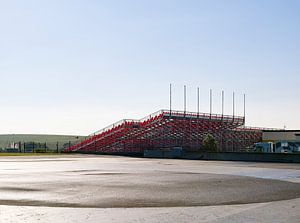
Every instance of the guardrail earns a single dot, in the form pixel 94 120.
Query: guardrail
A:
pixel 172 113
pixel 255 128
pixel 201 115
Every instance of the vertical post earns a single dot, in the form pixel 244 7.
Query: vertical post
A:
pixel 210 102
pixel 244 109
pixel 233 136
pixel 45 146
pixel 184 92
pixel 170 99
pixel 222 103
pixel 233 111
pixel 57 146
pixel 24 147
pixel 221 132
pixel 198 111
pixel 244 121
pixel 198 101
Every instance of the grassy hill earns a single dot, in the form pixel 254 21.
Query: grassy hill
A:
pixel 50 140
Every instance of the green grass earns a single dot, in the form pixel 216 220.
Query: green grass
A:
pixel 29 154
pixel 50 140
pixel 38 138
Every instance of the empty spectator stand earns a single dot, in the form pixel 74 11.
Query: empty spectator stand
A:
pixel 168 129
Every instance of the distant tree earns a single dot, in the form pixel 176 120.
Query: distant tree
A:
pixel 210 143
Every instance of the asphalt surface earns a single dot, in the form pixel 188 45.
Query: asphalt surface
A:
pixel 87 185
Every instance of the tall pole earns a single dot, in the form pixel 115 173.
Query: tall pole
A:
pixel 245 109
pixel 210 102
pixel 198 101
pixel 233 104
pixel 170 99
pixel 244 121
pixel 221 132
pixel 184 99
pixel 222 103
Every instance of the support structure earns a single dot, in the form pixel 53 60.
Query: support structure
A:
pixel 198 101
pixel 222 103
pixel 184 98
pixel 170 98
pixel 165 130
pixel 210 101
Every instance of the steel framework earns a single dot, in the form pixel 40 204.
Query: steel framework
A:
pixel 168 129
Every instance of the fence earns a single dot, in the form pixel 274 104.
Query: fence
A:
pixel 39 147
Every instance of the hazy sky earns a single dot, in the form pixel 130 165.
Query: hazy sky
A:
pixel 73 67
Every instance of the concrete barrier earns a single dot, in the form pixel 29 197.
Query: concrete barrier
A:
pixel 172 154
pixel 228 156
pixel 154 153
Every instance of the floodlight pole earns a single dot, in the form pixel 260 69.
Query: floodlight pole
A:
pixel 222 103
pixel 210 102
pixel 198 101
pixel 245 109
pixel 184 99
pixel 170 99
pixel 233 106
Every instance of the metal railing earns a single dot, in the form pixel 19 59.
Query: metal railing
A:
pixel 235 123
pixel 121 122
pixel 250 128
pixel 175 113
pixel 201 115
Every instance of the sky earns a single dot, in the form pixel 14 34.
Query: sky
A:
pixel 74 66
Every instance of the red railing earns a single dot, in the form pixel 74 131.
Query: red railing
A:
pixel 162 128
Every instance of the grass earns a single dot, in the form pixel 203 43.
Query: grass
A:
pixel 29 154
pixel 50 140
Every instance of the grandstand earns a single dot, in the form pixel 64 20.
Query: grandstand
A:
pixel 167 129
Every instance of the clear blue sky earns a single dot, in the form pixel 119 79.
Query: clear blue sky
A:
pixel 73 67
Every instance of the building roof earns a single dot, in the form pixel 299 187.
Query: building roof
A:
pixel 281 130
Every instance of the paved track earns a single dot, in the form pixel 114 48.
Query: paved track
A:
pixel 76 187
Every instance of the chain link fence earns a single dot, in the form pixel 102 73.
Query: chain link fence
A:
pixel 38 146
